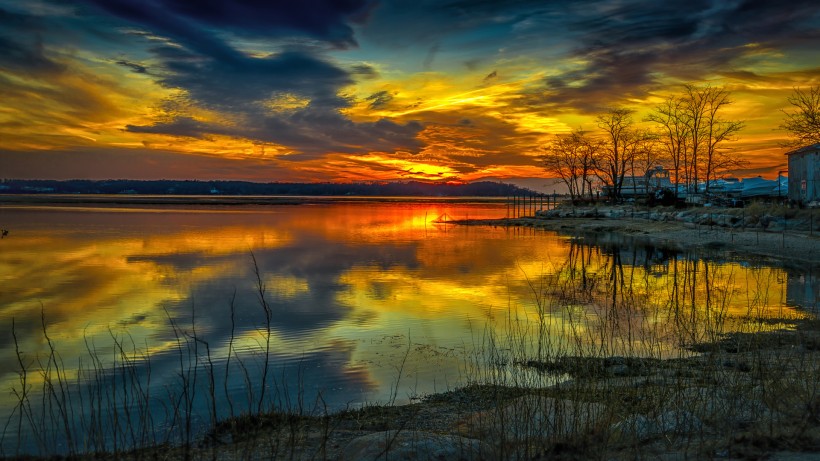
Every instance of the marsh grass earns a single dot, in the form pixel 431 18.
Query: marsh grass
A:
pixel 597 368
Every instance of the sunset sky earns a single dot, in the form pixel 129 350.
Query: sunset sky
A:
pixel 356 90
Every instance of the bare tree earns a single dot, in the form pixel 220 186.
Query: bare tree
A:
pixel 694 134
pixel 673 136
pixel 571 158
pixel 644 155
pixel 803 124
pixel 694 113
pixel 716 132
pixel 622 143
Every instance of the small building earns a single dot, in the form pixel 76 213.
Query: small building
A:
pixel 804 172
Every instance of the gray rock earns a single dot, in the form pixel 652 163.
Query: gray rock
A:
pixel 642 427
pixel 723 407
pixel 413 446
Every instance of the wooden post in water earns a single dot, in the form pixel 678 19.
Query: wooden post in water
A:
pixel 532 204
pixel 507 201
pixel 515 206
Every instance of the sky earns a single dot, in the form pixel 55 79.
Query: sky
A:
pixel 372 90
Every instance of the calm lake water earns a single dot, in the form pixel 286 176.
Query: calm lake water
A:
pixel 342 303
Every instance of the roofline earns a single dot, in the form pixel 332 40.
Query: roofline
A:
pixel 804 149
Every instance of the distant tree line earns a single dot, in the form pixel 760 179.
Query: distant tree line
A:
pixel 173 187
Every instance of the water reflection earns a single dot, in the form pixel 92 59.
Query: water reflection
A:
pixel 635 299
pixel 366 301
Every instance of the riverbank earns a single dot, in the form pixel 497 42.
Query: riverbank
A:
pixel 790 237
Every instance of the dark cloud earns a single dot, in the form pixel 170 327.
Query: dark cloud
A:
pixel 200 60
pixel 612 76
pixel 364 71
pixel 325 20
pixel 321 131
pixel 180 126
pixel 628 45
pixel 21 42
pixel 638 24
pixel 235 84
pixel 313 131
pixel 27 58
pixel 138 68
pixel 379 100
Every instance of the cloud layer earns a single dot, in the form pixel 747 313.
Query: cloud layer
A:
pixel 365 89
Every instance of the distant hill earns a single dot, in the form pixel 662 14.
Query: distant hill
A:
pixel 173 187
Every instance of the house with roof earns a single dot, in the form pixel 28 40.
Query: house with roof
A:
pixel 804 172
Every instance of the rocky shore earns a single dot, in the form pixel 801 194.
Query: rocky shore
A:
pixel 791 237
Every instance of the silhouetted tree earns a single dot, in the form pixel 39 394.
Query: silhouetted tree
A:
pixel 571 158
pixel 673 135
pixel 693 134
pixel 717 131
pixel 622 143
pixel 803 123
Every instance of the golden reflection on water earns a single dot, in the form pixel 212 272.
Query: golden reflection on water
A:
pixel 370 285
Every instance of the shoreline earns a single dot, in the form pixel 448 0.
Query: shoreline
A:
pixel 798 247
pixel 750 395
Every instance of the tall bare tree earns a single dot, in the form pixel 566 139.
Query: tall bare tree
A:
pixel 803 122
pixel 622 142
pixel 673 136
pixel 571 158
pixel 694 134
pixel 717 131
pixel 694 113
pixel 644 154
